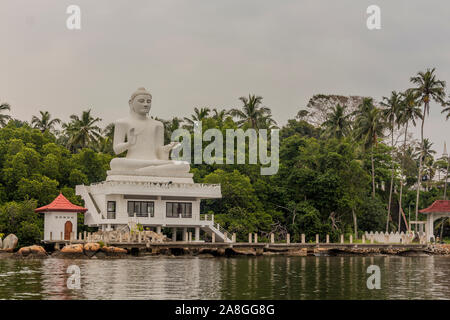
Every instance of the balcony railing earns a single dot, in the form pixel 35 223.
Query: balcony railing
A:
pixel 207 217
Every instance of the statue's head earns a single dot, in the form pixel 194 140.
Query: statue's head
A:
pixel 140 102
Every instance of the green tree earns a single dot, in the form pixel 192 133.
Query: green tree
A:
pixel 198 116
pixel 252 114
pixel 369 128
pixel 427 88
pixel 20 219
pixel 391 112
pixel 82 131
pixel 4 118
pixel 45 122
pixel 408 112
pixel 337 124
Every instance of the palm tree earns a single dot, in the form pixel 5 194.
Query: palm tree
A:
pixel 369 127
pixel 169 127
pixel 427 152
pixel 391 112
pixel 104 143
pixel 253 114
pixel 447 110
pixel 4 118
pixel 338 122
pixel 44 123
pixel 427 88
pixel 198 116
pixel 409 112
pixel 82 132
pixel 220 116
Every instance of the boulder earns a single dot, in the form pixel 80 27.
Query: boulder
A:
pixel 91 248
pixel 10 242
pixel 74 248
pixel 32 251
pixel 114 250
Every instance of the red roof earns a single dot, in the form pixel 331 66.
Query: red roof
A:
pixel 439 206
pixel 61 204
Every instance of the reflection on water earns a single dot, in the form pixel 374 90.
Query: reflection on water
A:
pixel 233 278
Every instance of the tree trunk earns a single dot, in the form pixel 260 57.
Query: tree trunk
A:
pixel 419 176
pixel 373 175
pixel 355 223
pixel 401 181
pixel 392 178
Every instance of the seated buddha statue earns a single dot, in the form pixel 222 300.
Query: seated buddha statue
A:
pixel 143 140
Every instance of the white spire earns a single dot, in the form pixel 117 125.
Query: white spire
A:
pixel 445 154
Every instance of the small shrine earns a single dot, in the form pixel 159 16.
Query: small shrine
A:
pixel 439 209
pixel 60 221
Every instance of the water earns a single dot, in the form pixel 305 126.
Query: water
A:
pixel 274 277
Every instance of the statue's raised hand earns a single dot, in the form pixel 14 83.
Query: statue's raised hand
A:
pixel 131 136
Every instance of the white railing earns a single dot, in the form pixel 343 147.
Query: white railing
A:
pixel 207 217
pixel 385 237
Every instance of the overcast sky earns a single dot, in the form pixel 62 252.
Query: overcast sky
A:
pixel 192 53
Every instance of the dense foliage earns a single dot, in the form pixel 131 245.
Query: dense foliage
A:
pixel 344 175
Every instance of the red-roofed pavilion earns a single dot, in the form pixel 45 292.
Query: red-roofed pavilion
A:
pixel 60 221
pixel 439 209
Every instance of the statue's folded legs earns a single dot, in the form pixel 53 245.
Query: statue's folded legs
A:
pixel 149 167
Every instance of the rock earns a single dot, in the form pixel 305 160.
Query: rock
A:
pixel 92 247
pixel 114 251
pixel 10 242
pixel 32 252
pixel 74 248
pixel 25 251
pixel 1 243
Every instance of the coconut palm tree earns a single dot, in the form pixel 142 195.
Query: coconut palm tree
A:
pixel 409 112
pixel 337 124
pixel 369 128
pixel 82 132
pixel 253 114
pixel 44 123
pixel 427 88
pixel 170 126
pixel 220 116
pixel 391 112
pixel 198 116
pixel 104 143
pixel 426 152
pixel 447 110
pixel 4 118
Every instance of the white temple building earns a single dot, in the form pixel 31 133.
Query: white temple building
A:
pixel 145 187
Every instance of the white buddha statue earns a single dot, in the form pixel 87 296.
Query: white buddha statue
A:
pixel 143 139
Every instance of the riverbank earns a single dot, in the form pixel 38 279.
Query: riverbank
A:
pixel 97 251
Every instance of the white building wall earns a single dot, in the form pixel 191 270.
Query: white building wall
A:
pixel 159 207
pixel 54 222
